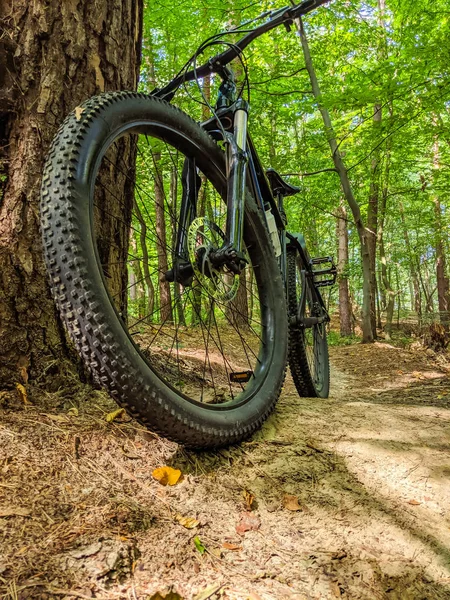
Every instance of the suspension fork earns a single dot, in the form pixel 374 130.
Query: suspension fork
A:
pixel 236 177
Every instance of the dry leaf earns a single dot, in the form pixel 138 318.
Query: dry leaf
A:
pixel 248 499
pixel 86 550
pixel 22 393
pixel 14 511
pixel 248 522
pixel 291 502
pixel 168 596
pixel 229 546
pixel 188 522
pixel 166 475
pixel 57 418
pixel 414 502
pixel 208 592
pixel 339 555
pixel 115 414
pixel 78 112
pixel 23 363
pixel 73 411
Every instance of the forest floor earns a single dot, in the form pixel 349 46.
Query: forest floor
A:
pixel 341 498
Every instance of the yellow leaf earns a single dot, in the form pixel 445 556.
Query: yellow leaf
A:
pixel 73 411
pixel 291 502
pixel 22 393
pixel 78 112
pixel 115 414
pixel 248 499
pixel 188 522
pixel 166 475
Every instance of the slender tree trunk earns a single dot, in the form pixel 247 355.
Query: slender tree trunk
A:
pixel 145 261
pixel 372 217
pixel 414 272
pixel 441 273
pixel 53 55
pixel 346 187
pixel 202 207
pixel 174 212
pixel 345 310
pixel 441 276
pixel 165 297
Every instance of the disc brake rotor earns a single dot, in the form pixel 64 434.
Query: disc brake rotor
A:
pixel 204 236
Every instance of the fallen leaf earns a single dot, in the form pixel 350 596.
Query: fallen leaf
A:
pixel 291 502
pixel 249 498
pixel 166 475
pixel 78 112
pixel 339 555
pixel 198 544
pixel 73 411
pixel 86 551
pixel 248 522
pixel 414 502
pixel 22 393
pixel 23 363
pixel 229 546
pixel 57 418
pixel 168 596
pixel 14 511
pixel 188 522
pixel 115 414
pixel 208 592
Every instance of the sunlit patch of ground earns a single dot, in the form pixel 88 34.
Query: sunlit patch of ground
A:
pixel 369 468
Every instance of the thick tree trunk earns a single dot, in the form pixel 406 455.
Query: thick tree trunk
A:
pixel 345 309
pixel 346 187
pixel 53 55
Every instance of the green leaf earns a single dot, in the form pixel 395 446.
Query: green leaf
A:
pixel 198 544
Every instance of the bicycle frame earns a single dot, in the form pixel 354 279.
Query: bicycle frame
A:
pixel 244 167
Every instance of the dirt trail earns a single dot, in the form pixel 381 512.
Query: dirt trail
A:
pixel 369 468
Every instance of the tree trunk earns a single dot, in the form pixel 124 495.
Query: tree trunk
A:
pixel 149 310
pixel 53 55
pixel 346 187
pixel 372 217
pixel 442 280
pixel 165 299
pixel 345 309
pixel 415 272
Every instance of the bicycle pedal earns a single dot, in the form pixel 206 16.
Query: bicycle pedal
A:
pixel 319 275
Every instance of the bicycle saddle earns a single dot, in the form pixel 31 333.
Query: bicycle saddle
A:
pixel 279 186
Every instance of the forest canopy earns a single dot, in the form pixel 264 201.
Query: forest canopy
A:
pixel 383 73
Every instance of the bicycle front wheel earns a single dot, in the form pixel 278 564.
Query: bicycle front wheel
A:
pixel 199 359
pixel 308 346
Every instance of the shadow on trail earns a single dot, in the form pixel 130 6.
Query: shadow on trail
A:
pixel 284 459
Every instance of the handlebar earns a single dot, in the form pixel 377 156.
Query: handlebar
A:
pixel 282 16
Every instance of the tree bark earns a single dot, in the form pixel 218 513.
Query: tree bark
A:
pixel 372 217
pixel 53 56
pixel 346 187
pixel 442 280
pixel 345 309
pixel 165 297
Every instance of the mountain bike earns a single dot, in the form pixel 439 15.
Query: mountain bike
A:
pixel 170 261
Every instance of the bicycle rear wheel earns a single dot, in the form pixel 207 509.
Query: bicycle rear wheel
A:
pixel 200 360
pixel 308 346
